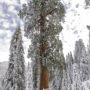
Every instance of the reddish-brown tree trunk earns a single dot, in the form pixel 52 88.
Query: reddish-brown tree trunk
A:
pixel 43 47
pixel 44 78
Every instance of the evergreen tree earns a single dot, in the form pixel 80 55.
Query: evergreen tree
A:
pixel 64 81
pixel 80 67
pixel 15 78
pixel 69 70
pixel 88 58
pixel 42 25
pixel 68 73
pixel 36 74
pixel 89 42
pixel 81 56
pixel 29 82
pixel 79 51
pixel 76 77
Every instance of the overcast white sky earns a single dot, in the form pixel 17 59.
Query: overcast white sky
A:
pixel 76 20
pixel 75 26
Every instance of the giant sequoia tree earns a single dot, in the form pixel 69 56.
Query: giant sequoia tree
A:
pixel 15 79
pixel 42 25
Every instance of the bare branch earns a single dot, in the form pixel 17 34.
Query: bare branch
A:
pixel 50 12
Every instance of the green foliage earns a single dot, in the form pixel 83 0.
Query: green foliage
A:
pixel 42 20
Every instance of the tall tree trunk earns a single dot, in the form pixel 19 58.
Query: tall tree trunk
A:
pixel 44 78
pixel 43 47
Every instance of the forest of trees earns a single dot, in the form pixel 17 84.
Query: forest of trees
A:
pixel 75 75
pixel 49 69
